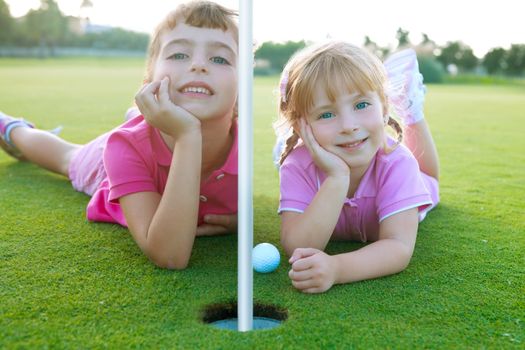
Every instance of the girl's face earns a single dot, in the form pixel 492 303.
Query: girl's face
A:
pixel 201 64
pixel 351 127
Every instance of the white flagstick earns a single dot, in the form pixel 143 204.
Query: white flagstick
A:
pixel 245 143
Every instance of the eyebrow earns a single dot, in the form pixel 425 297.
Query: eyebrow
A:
pixel 186 42
pixel 353 97
pixel 318 109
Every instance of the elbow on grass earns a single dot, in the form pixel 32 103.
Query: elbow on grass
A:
pixel 405 256
pixel 290 241
pixel 404 264
pixel 170 263
pixel 165 257
pixel 400 255
pixel 288 246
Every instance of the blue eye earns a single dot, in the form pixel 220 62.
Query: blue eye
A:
pixel 326 115
pixel 219 60
pixel 178 56
pixel 362 105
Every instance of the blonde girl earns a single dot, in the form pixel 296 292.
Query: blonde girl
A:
pixel 343 177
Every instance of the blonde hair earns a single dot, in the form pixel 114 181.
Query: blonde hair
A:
pixel 331 65
pixel 201 14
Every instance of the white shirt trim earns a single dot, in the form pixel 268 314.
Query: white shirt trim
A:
pixel 409 207
pixel 289 209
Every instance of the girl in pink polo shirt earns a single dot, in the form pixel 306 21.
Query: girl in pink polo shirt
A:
pixel 170 173
pixel 342 175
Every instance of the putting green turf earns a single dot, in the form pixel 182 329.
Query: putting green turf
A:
pixel 67 283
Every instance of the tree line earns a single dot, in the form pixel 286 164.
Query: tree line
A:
pixel 434 60
pixel 46 27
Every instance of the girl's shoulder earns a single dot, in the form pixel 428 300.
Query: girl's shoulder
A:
pixel 399 154
pixel 399 163
pixel 135 128
pixel 135 141
pixel 136 137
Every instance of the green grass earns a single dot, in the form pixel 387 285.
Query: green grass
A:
pixel 67 283
pixel 484 80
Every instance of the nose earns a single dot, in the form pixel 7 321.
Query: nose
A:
pixel 198 65
pixel 349 123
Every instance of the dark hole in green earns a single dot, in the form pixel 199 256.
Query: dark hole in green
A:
pixel 224 315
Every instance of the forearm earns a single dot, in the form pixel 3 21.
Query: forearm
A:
pixel 382 258
pixel 314 227
pixel 172 230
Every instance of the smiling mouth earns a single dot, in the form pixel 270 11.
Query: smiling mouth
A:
pixel 196 90
pixel 354 144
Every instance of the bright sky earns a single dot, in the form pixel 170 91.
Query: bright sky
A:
pixel 481 24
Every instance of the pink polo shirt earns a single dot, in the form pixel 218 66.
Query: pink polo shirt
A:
pixel 136 159
pixel 391 184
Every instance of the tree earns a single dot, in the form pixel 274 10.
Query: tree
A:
pixel 402 38
pixel 6 23
pixel 450 53
pixel 371 46
pixel 278 54
pixel 369 42
pixel 426 47
pixel 515 59
pixel 458 54
pixel 468 60
pixel 46 25
pixel 426 39
pixel 431 69
pixel 494 61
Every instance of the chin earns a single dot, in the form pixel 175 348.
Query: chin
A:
pixel 205 110
pixel 197 109
pixel 206 115
pixel 358 161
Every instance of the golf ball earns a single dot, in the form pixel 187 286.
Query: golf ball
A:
pixel 265 258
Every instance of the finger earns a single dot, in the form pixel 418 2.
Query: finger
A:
pixel 300 275
pixel 163 92
pixel 139 94
pixel 303 264
pixel 314 290
pixel 308 138
pixel 141 90
pixel 149 89
pixel 211 230
pixel 145 99
pixel 214 219
pixel 228 221
pixel 312 142
pixel 233 220
pixel 304 285
pixel 300 253
pixel 142 108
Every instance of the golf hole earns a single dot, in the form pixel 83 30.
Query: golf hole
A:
pixel 224 316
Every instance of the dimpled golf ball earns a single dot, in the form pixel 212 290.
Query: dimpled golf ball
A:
pixel 265 258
